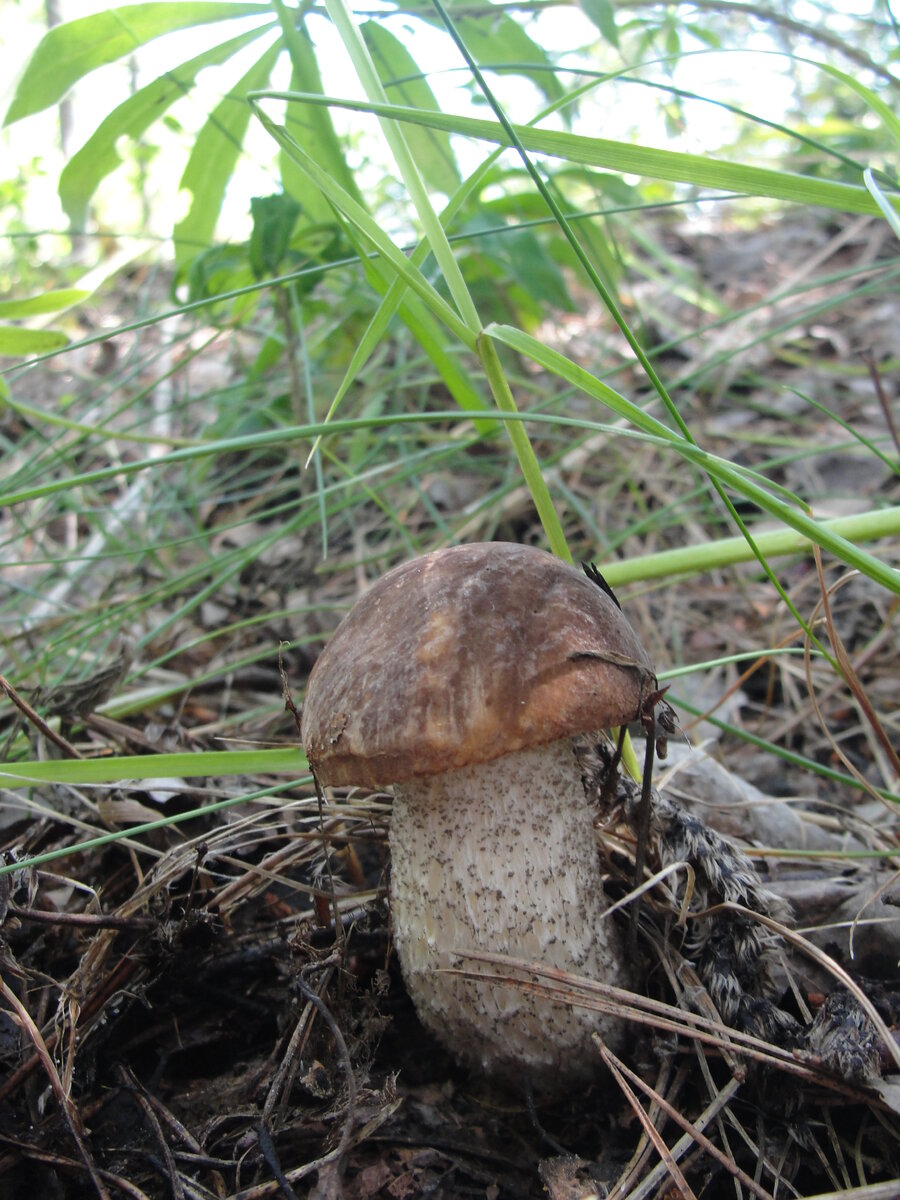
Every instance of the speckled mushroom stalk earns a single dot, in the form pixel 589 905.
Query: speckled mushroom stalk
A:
pixel 501 857
pixel 462 678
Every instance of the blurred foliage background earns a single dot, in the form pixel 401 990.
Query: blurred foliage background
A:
pixel 284 279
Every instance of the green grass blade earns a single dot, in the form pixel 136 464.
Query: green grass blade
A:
pixel 528 460
pixel 367 225
pixel 888 208
pixel 289 760
pixel 717 469
pixel 557 364
pixel 393 298
pixel 434 231
pixel 421 324
pixel 431 226
pixel 397 69
pixel 501 40
pixel 635 159
pixel 773 543
pixel 888 117
pixel 135 831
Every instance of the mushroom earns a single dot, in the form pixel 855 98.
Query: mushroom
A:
pixel 462 678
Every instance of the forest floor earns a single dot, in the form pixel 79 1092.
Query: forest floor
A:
pixel 216 1011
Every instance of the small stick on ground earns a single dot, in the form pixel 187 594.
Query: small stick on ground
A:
pixel 37 720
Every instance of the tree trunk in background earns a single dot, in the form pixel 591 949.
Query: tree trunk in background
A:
pixel 54 16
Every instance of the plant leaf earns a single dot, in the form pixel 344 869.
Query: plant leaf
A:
pixel 889 210
pixel 213 158
pixel 424 328
pixel 47 302
pixel 274 218
pixel 498 40
pixel 16 341
pixel 72 50
pixel 312 128
pixel 287 760
pixel 395 137
pixel 872 99
pixel 631 158
pixel 533 268
pixel 726 473
pixel 603 15
pixel 368 226
pixel 98 157
pixel 399 71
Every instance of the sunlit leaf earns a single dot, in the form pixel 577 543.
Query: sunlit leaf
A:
pixel 47 302
pixel 872 99
pixel 72 50
pixel 311 127
pixel 402 80
pixel 890 212
pixel 370 228
pixel 99 156
pixel 501 40
pixel 602 13
pixel 16 341
pixel 214 156
pixel 635 159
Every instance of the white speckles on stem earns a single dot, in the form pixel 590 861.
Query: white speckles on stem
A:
pixel 501 857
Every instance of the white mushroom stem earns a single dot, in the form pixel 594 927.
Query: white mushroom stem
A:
pixel 501 857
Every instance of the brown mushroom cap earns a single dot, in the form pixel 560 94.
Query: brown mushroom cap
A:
pixel 463 656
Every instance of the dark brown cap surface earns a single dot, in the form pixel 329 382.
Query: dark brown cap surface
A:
pixel 465 655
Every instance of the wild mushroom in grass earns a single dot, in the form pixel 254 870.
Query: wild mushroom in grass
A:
pixel 462 678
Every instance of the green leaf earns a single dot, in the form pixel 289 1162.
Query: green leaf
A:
pixel 311 127
pixel 874 101
pixel 424 328
pixel 602 13
pixel 274 218
pixel 368 227
pixel 430 148
pixel 214 156
pixel 708 36
pixel 223 268
pixel 395 137
pixel 534 269
pixel 631 158
pixel 99 157
pixel 890 212
pixel 72 50
pixel 392 299
pixel 498 39
pixel 16 341
pixel 46 303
